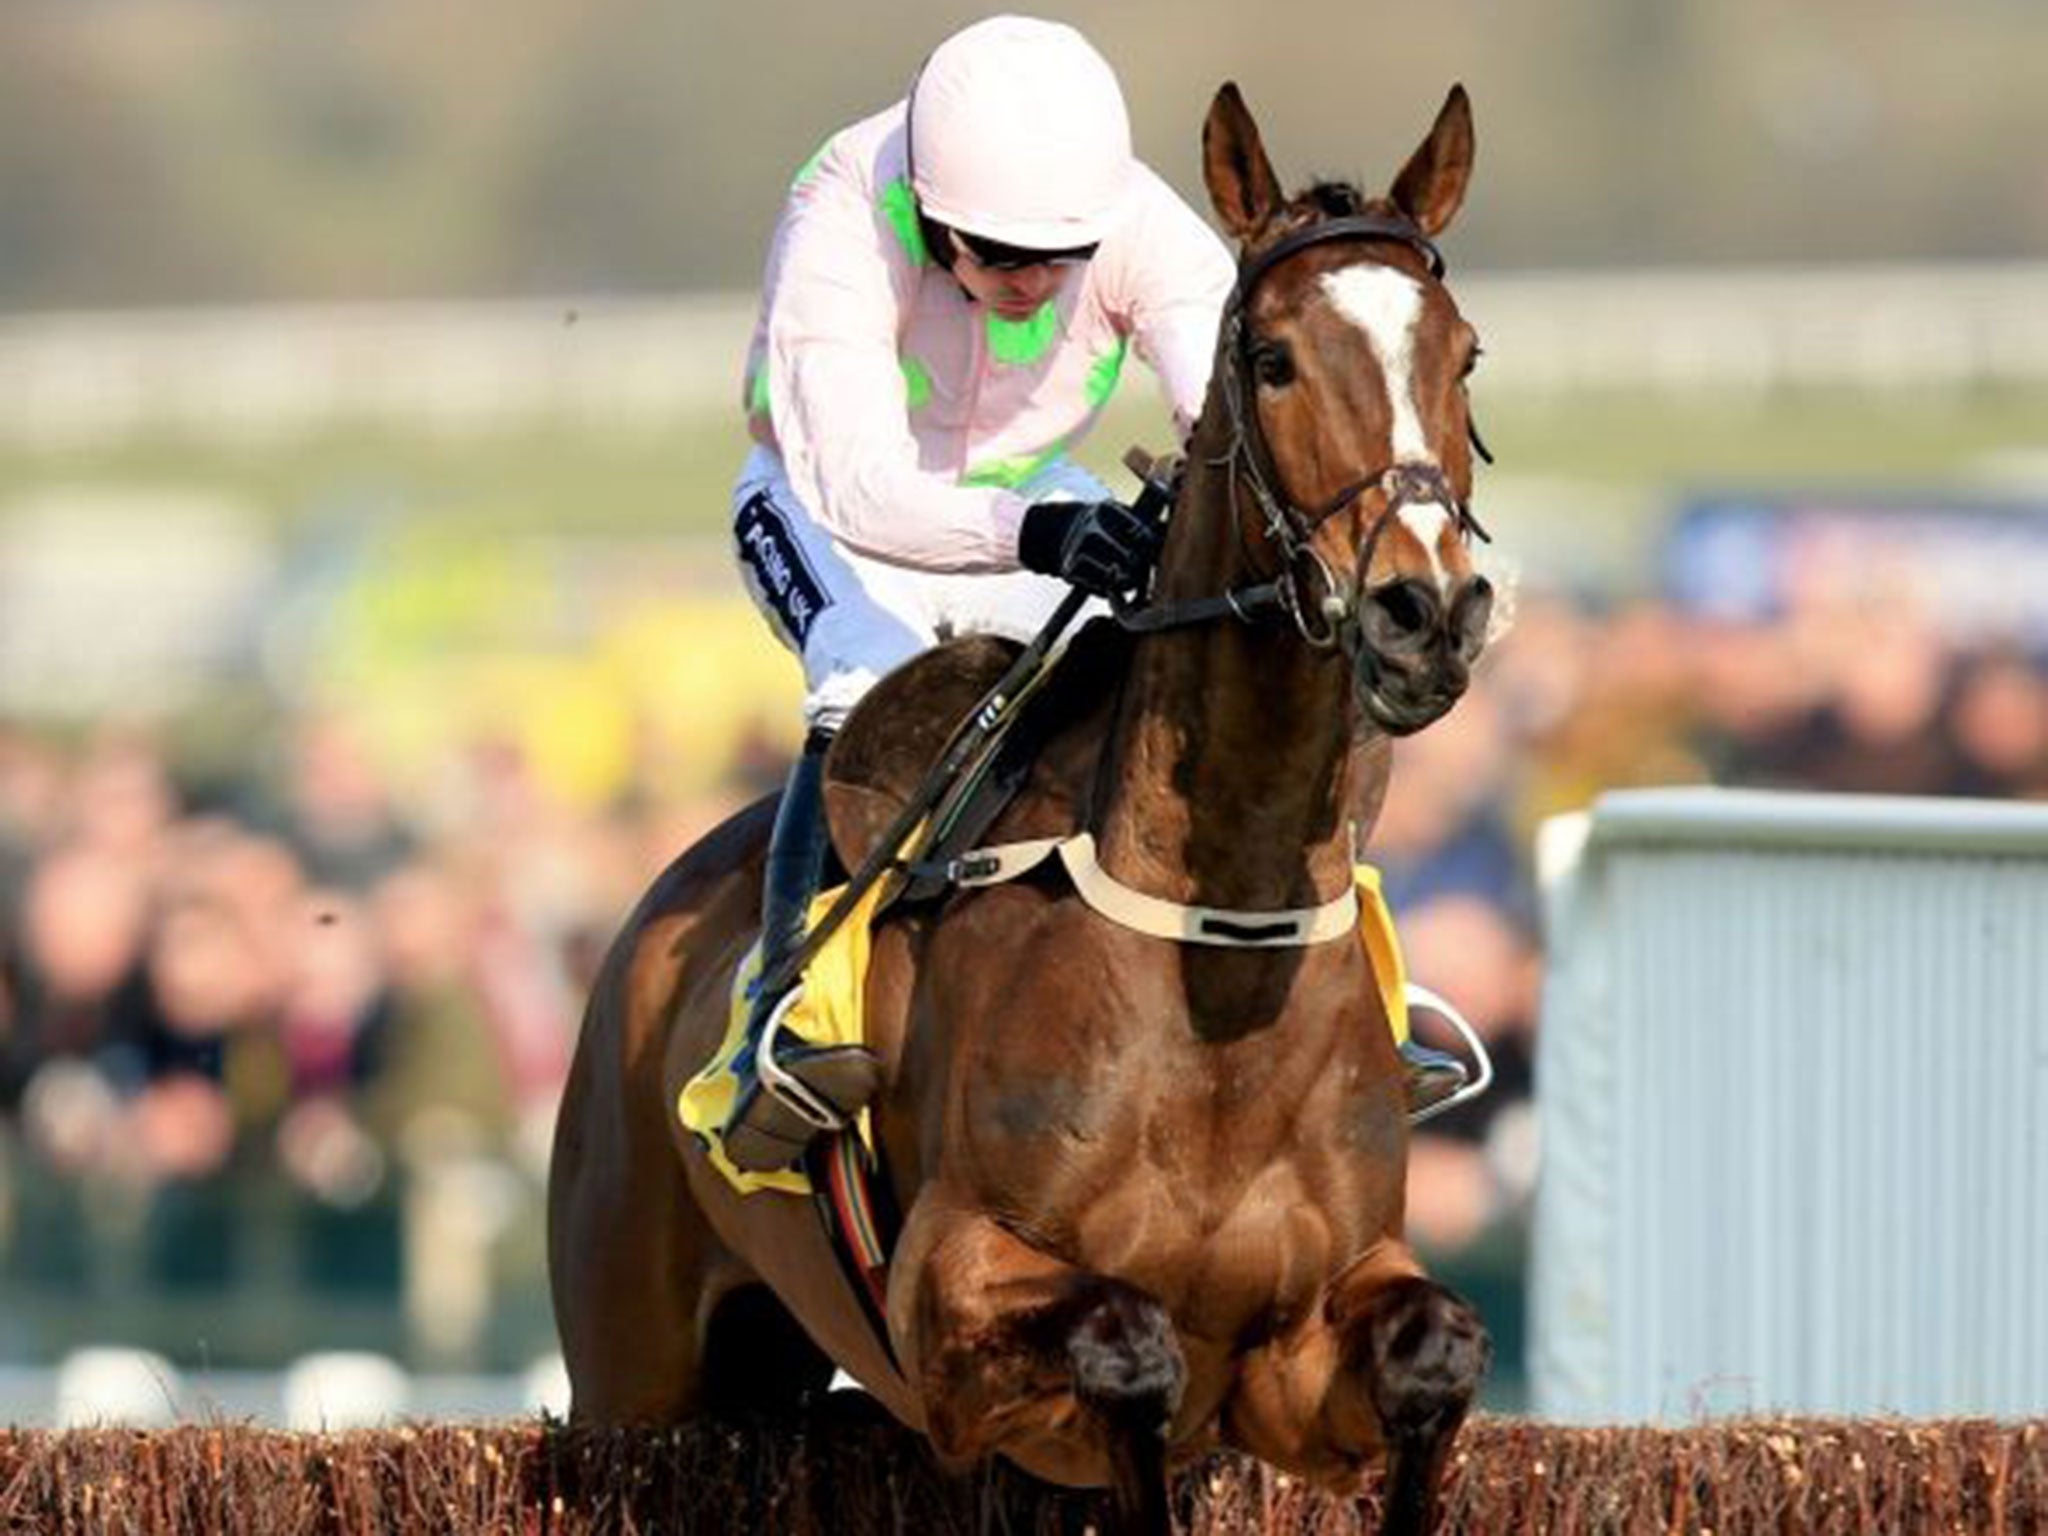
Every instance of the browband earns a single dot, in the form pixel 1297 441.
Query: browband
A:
pixel 1355 226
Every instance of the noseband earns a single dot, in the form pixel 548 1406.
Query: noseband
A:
pixel 1326 620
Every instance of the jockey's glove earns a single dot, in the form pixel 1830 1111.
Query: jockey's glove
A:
pixel 1102 547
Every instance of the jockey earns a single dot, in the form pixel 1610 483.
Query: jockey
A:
pixel 949 298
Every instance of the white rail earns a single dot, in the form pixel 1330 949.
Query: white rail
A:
pixel 1792 1064
pixel 79 379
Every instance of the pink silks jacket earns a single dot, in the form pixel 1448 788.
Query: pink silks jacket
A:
pixel 909 418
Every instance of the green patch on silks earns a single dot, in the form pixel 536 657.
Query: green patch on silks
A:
pixel 809 168
pixel 917 383
pixel 1011 473
pixel 1020 343
pixel 899 207
pixel 1103 377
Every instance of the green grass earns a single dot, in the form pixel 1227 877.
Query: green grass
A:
pixel 550 479
pixel 556 479
pixel 1647 441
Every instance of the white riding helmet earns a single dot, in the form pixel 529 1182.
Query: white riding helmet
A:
pixel 1018 134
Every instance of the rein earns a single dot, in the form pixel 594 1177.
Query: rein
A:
pixel 1326 622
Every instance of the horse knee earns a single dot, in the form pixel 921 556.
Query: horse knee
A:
pixel 1426 1353
pixel 1127 1362
pixel 1128 1370
pixel 1011 1381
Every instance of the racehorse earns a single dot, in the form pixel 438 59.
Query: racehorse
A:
pixel 1152 1191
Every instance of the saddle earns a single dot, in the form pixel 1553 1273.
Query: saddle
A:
pixel 1030 779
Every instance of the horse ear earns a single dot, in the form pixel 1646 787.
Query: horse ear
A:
pixel 1234 164
pixel 1432 184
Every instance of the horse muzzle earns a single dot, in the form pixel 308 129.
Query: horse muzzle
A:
pixel 1412 650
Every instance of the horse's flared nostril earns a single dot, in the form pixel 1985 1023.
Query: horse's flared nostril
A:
pixel 1401 612
pixel 1472 618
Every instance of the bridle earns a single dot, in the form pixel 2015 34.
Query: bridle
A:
pixel 1328 620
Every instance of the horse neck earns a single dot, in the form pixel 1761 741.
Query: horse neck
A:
pixel 1230 764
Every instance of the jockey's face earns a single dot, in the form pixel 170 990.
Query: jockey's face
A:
pixel 1015 293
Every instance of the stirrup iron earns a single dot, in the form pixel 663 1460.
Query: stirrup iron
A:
pixel 790 1091
pixel 1481 1080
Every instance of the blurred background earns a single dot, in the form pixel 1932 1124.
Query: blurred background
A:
pixel 369 393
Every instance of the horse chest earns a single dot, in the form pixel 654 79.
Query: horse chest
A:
pixel 1100 1120
pixel 1230 1190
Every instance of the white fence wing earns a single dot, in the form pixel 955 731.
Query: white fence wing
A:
pixel 1793 1056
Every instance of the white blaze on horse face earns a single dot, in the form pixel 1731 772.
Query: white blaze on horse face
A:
pixel 1429 522
pixel 1386 304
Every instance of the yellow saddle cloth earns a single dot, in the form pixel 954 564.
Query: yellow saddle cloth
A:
pixel 828 1012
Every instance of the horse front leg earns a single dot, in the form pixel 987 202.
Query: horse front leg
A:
pixel 1072 1375
pixel 1388 1366
pixel 1424 1351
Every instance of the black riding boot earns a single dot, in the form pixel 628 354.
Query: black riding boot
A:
pixel 790 1091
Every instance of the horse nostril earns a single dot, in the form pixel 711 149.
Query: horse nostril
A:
pixel 1408 608
pixel 1472 617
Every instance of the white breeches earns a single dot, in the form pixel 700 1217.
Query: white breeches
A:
pixel 851 618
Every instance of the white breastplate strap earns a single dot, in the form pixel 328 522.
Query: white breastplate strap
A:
pixel 1151 914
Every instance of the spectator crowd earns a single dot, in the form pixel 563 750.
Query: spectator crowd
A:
pixel 319 971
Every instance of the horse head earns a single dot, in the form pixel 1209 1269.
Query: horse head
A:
pixel 1341 408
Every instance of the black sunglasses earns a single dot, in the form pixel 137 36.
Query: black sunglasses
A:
pixel 998 257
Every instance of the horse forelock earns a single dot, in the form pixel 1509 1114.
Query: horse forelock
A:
pixel 1328 198
pixel 1333 199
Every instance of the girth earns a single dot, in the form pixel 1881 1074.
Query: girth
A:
pixel 1180 922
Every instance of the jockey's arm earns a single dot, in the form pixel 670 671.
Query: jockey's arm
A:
pixel 1177 277
pixel 837 395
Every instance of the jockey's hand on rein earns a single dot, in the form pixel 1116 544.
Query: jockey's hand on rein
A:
pixel 1102 547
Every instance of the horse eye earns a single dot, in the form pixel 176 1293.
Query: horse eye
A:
pixel 1273 364
pixel 1472 360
